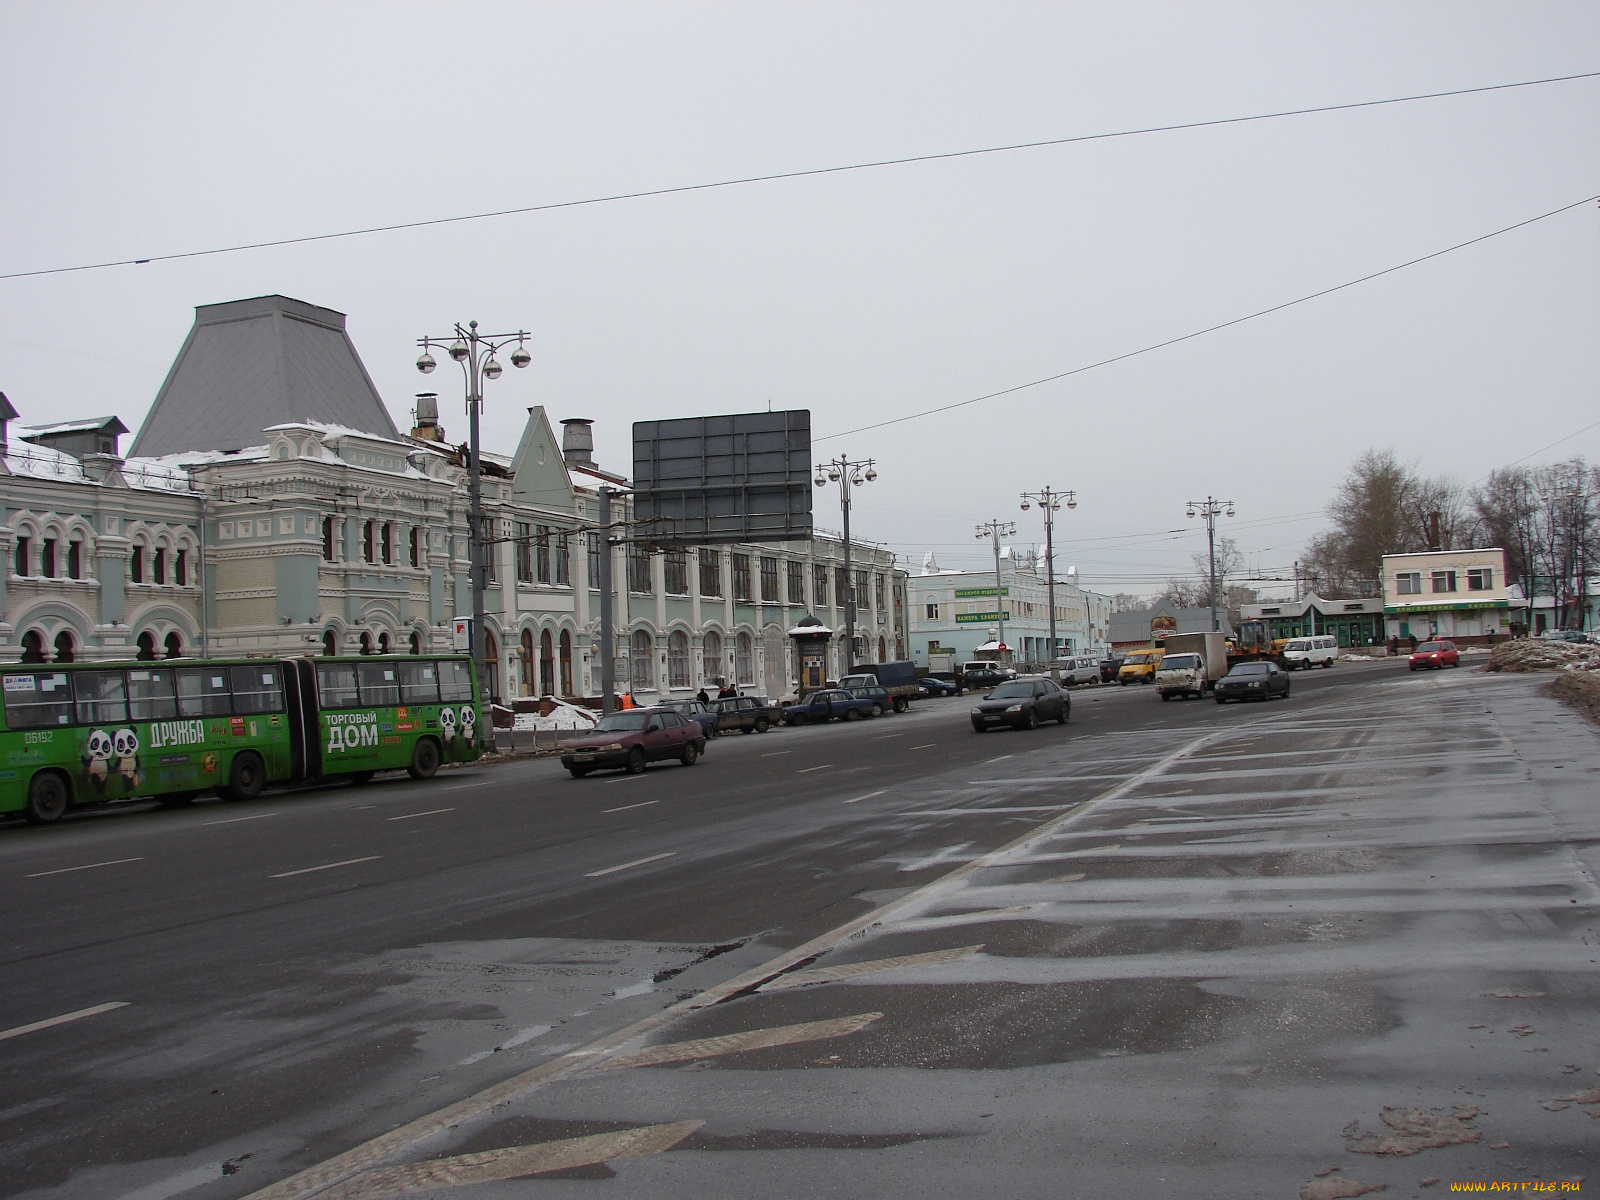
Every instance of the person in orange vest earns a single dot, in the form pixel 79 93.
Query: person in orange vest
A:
pixel 626 701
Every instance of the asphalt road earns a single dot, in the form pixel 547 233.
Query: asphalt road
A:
pixel 1208 939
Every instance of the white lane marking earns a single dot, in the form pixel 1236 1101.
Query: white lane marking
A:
pixel 349 862
pixel 86 867
pixel 432 812
pixel 510 1162
pixel 882 736
pixel 938 858
pixel 1002 758
pixel 236 820
pixel 735 1043
pixel 626 807
pixel 626 778
pixel 638 862
pixel 775 753
pixel 459 786
pixel 925 746
pixel 868 796
pixel 94 1011
pixel 808 770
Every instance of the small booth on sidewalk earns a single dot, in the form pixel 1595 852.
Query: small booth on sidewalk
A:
pixel 811 638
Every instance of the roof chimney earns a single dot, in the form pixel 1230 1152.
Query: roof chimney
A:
pixel 577 440
pixel 427 427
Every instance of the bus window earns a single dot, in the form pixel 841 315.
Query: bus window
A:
pixel 419 683
pixel 257 689
pixel 152 696
pixel 455 680
pixel 380 684
pixel 102 697
pixel 203 692
pixel 37 699
pixel 336 685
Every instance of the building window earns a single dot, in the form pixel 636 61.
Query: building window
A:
pixel 47 560
pixel 566 662
pixel 710 574
pixel 639 570
pixel 797 582
pixel 33 646
pixel 491 562
pixel 594 560
pixel 841 587
pixel 368 534
pixel 524 552
pixel 678 659
pixel 877 592
pixel 862 596
pixel 819 586
pixel 741 577
pixel 1444 581
pixel 563 560
pixel 74 560
pixel 1408 583
pixel 769 581
pixel 24 552
pixel 135 565
pixel 158 568
pixel 642 661
pixel 744 659
pixel 327 539
pixel 676 570
pixel 1480 579
pixel 174 645
pixel 180 569
pixel 933 612
pixel 386 539
pixel 416 546
pixel 541 553
pixel 711 657
pixel 547 664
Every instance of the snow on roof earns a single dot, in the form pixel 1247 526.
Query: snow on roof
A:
pixel 42 462
pixel 83 426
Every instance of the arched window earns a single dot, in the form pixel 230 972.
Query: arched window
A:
pixel 643 661
pixel 678 659
pixel 330 643
pixel 385 646
pixel 33 646
pixel 64 646
pixel 883 650
pixel 566 663
pixel 147 647
pixel 491 662
pixel 327 539
pixel 366 643
pixel 368 532
pixel 525 668
pixel 712 669
pixel 135 565
pixel 416 642
pixel 744 659
pixel 547 665
pixel 158 566
pixel 174 645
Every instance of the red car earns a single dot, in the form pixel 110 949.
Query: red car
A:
pixel 632 738
pixel 1435 654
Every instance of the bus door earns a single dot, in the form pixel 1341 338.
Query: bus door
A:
pixel 300 692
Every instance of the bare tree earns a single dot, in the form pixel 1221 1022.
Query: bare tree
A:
pixel 1370 514
pixel 1194 591
pixel 1506 508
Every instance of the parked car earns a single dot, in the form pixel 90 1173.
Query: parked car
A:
pixel 826 706
pixel 632 738
pixel 1252 681
pixel 1075 669
pixel 982 673
pixel 932 685
pixel 695 710
pixel 1307 652
pixel 1108 669
pixel 1022 704
pixel 882 702
pixel 751 714
pixel 1433 655
pixel 1564 635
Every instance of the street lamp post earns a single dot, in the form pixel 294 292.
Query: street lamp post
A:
pixel 1209 509
pixel 1050 502
pixel 995 530
pixel 847 475
pixel 476 354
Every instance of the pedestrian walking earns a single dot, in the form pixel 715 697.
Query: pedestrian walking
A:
pixel 1413 640
pixel 703 696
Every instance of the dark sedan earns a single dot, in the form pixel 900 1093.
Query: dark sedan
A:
pixel 933 686
pixel 878 697
pixel 1252 681
pixel 695 710
pixel 632 738
pixel 1435 655
pixel 825 706
pixel 748 713
pixel 1108 670
pixel 1022 704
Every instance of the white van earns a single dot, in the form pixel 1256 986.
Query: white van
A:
pixel 1308 652
pixel 1078 669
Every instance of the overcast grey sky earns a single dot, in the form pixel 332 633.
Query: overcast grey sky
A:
pixel 142 129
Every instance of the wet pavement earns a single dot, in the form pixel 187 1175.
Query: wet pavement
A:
pixel 1208 954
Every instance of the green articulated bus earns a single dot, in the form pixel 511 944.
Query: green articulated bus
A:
pixel 86 732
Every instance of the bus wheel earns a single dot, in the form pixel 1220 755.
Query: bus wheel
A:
pixel 176 800
pixel 48 799
pixel 246 777
pixel 424 759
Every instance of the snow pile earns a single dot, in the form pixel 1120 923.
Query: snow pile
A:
pixel 562 716
pixel 1534 654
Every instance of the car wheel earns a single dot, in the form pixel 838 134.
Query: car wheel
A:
pixel 798 719
pixel 1033 718
pixel 852 714
pixel 690 755
pixel 877 710
pixel 48 798
pixel 1166 696
pixel 1222 699
pixel 762 725
pixel 579 772
pixel 424 759
pixel 1066 714
pixel 636 761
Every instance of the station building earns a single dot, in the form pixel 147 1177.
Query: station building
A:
pixel 1353 622
pixel 1463 595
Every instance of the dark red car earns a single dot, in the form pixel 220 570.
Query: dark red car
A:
pixel 632 738
pixel 1435 654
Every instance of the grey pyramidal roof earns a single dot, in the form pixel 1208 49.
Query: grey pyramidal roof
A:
pixel 250 364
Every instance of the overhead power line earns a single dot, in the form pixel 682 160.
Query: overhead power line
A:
pixel 1106 362
pixel 778 176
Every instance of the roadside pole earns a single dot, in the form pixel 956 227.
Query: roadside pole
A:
pixel 608 647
